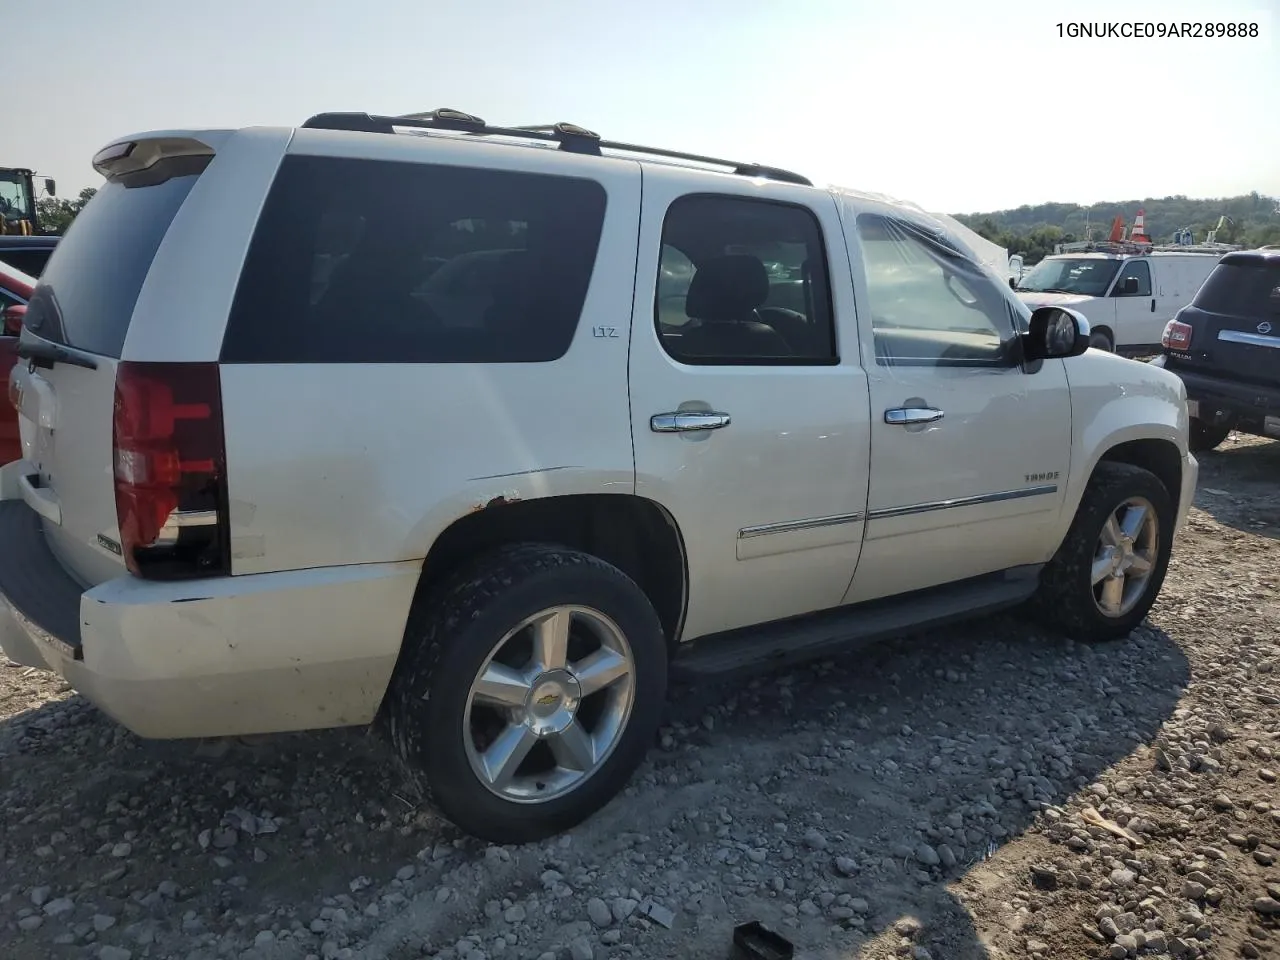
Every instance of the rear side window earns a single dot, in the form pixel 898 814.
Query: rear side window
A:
pixel 1242 290
pixel 365 261
pixel 743 281
pixel 90 286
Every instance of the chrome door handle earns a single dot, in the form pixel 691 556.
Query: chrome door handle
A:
pixel 900 416
pixel 687 422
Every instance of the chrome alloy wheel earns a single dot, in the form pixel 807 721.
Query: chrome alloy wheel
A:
pixel 549 704
pixel 1125 557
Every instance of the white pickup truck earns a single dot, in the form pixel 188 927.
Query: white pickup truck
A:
pixel 1128 298
pixel 485 432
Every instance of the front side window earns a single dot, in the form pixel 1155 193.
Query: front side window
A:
pixel 1140 271
pixel 365 261
pixel 930 306
pixel 743 281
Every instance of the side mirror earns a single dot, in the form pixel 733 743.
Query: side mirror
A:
pixel 1128 287
pixel 50 187
pixel 1013 283
pixel 1055 333
pixel 13 317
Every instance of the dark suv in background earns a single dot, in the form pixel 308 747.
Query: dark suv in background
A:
pixel 1225 345
pixel 28 254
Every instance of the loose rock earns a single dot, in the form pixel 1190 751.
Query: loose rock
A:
pixel 599 912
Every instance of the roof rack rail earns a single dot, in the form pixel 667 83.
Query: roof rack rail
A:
pixel 1102 246
pixel 1196 247
pixel 570 138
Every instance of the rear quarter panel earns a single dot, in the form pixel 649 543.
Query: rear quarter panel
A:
pixel 1114 401
pixel 337 463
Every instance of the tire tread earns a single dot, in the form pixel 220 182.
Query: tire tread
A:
pixel 1058 602
pixel 1204 437
pixel 440 614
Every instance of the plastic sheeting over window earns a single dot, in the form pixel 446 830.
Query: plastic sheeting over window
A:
pixel 973 244
pixel 931 305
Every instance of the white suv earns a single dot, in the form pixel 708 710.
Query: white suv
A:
pixel 485 432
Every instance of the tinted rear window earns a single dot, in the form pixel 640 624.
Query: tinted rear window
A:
pixel 90 285
pixel 364 261
pixel 1241 290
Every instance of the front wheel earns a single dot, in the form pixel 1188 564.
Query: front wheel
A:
pixel 529 692
pixel 1099 340
pixel 1108 571
pixel 1206 436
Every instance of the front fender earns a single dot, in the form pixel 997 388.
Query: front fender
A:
pixel 1116 401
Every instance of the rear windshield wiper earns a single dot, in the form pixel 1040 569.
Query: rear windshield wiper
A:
pixel 47 354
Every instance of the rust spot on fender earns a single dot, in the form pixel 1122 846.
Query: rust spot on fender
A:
pixel 500 500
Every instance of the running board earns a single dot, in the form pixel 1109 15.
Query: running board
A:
pixel 842 629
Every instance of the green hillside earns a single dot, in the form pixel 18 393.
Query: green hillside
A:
pixel 1033 230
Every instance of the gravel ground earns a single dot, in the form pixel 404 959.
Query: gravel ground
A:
pixel 930 798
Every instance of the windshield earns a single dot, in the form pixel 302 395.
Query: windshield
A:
pixel 1089 277
pixel 15 200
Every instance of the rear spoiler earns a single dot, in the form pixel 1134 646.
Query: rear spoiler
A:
pixel 135 154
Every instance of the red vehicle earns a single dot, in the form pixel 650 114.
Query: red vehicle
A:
pixel 15 291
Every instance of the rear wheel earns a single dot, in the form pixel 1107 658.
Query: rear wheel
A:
pixel 1205 436
pixel 1101 340
pixel 529 692
pixel 1109 570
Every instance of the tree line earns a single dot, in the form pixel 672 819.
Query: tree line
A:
pixel 1253 220
pixel 54 214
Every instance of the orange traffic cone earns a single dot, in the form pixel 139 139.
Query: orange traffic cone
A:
pixel 1139 232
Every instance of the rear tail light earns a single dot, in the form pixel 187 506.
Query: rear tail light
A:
pixel 1177 336
pixel 170 470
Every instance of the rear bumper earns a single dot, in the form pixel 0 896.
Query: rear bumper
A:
pixel 232 655
pixel 1216 399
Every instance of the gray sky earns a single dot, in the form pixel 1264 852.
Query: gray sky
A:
pixel 957 106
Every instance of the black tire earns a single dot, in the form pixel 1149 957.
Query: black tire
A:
pixel 450 634
pixel 1206 436
pixel 1101 340
pixel 1065 600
